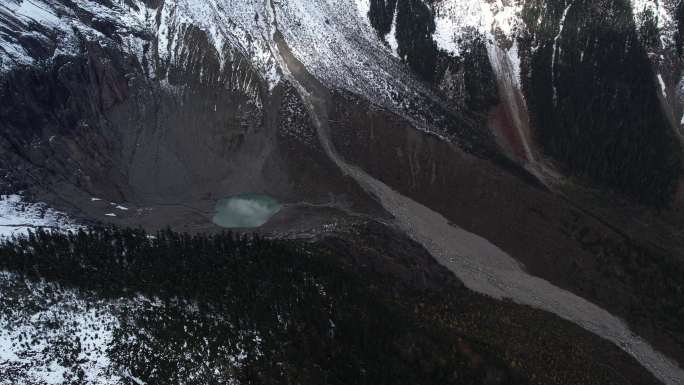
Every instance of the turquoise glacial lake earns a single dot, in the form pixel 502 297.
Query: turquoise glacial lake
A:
pixel 245 211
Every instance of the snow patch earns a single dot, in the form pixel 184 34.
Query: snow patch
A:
pixel 35 10
pixel 364 7
pixel 657 8
pixel 392 35
pixel 31 343
pixel 663 88
pixel 514 58
pixel 18 217
pixel 491 19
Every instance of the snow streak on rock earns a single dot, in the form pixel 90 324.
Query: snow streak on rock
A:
pixel 391 37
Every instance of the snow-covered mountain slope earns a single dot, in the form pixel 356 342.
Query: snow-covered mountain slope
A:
pixel 17 217
pixel 39 30
pixel 52 334
pixel 330 38
pixel 56 341
pixel 334 40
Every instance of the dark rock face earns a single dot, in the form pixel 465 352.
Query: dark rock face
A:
pixel 381 15
pixel 415 27
pixel 184 132
pixel 593 96
pixel 121 130
pixel 66 99
pixel 479 78
pixel 591 90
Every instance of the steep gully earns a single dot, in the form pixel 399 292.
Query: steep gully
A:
pixel 480 265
